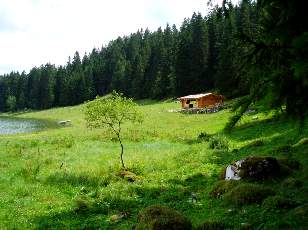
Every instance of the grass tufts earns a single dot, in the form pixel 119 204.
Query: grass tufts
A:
pixel 246 193
pixel 283 149
pixel 219 142
pixel 203 136
pixel 158 217
pixel 222 187
pixel 292 183
pixel 82 205
pixel 303 141
pixel 212 225
pixel 291 163
pixel 257 143
pixel 279 202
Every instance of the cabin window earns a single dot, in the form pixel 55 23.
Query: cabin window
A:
pixel 192 103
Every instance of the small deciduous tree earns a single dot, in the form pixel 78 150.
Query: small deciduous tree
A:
pixel 111 112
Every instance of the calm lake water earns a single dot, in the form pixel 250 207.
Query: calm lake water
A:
pixel 9 125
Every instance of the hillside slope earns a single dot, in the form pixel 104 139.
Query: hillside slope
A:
pixel 68 177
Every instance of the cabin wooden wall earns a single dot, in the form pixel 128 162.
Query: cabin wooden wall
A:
pixel 204 101
pixel 183 103
pixel 211 100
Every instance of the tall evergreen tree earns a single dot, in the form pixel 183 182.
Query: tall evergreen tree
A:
pixel 46 86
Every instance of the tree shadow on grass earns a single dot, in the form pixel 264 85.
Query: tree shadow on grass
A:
pixel 278 145
pixel 195 182
pixel 262 129
pixel 87 212
pixel 67 220
pixel 96 213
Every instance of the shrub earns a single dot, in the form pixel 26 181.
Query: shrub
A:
pixel 222 187
pixel 278 202
pixel 248 194
pixel 203 136
pixel 212 225
pixel 158 217
pixel 219 142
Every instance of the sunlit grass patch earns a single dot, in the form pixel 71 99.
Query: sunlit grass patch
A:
pixel 69 177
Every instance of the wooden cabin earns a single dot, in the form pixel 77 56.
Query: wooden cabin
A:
pixel 201 100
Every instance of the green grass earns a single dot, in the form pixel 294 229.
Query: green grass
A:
pixel 67 177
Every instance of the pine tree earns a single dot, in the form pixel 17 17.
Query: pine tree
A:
pixel 46 86
pixel 183 58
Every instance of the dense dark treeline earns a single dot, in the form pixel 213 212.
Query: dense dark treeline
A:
pixel 201 55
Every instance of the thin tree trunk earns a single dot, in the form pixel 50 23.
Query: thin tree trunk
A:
pixel 122 151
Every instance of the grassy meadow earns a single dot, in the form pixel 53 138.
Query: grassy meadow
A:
pixel 66 177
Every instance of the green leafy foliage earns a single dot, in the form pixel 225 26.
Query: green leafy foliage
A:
pixel 111 112
pixel 11 103
pixel 277 57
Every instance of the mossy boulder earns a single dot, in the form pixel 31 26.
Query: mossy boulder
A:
pixel 247 193
pixel 128 175
pixel 222 187
pixel 158 217
pixel 212 225
pixel 256 168
pixel 82 205
pixel 279 202
pixel 259 168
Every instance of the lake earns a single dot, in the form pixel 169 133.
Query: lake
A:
pixel 10 125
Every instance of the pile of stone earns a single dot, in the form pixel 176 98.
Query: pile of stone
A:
pixel 213 109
